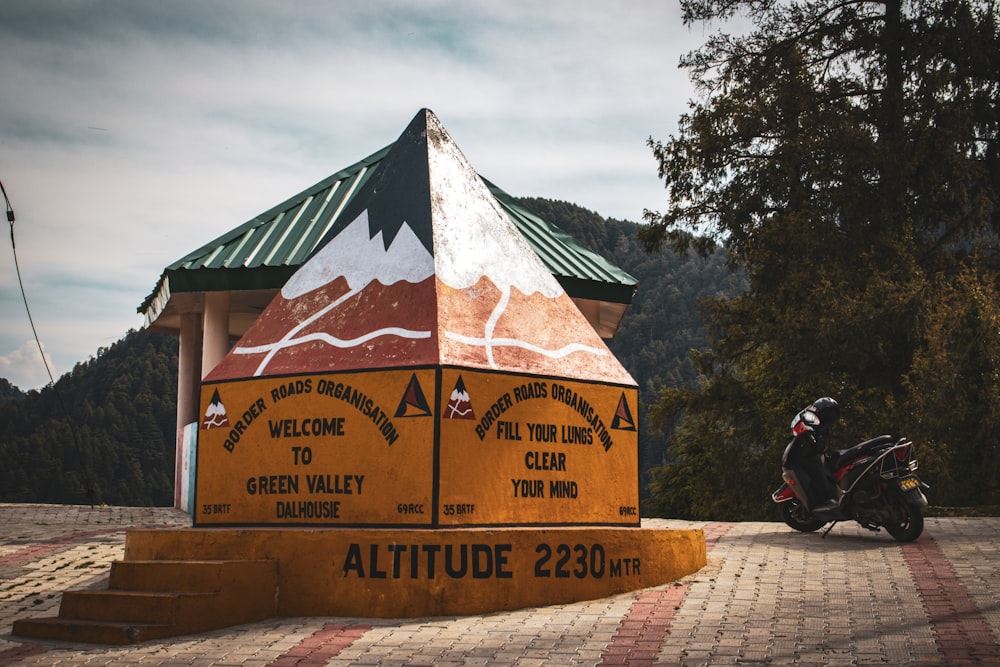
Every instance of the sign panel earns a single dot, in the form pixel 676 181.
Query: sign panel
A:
pixel 536 450
pixel 333 449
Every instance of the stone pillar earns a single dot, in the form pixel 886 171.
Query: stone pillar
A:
pixel 216 328
pixel 188 388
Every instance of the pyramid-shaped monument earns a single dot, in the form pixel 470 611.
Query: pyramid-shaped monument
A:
pixel 423 267
pixel 421 367
pixel 420 424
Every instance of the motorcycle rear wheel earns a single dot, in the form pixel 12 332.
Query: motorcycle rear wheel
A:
pixel 798 517
pixel 910 529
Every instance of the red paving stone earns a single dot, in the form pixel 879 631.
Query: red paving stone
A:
pixel 16 654
pixel 645 625
pixel 322 645
pixel 43 549
pixel 960 630
pixel 36 551
pixel 714 532
pixel 648 620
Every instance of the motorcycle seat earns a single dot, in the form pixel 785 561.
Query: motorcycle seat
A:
pixel 841 456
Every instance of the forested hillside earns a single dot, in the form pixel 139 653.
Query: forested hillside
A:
pixel 8 392
pixel 117 446
pixel 107 436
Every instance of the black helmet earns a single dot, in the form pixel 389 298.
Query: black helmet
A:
pixel 827 410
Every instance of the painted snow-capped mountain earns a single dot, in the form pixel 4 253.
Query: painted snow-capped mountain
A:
pixel 459 404
pixel 339 305
pixel 215 414
pixel 360 258
pixel 422 267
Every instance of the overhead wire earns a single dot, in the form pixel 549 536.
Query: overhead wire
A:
pixel 89 490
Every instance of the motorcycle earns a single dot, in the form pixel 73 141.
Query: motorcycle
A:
pixel 876 485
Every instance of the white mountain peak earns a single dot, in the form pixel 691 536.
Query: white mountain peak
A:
pixel 361 259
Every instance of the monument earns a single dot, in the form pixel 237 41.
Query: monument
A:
pixel 420 423
pixel 422 368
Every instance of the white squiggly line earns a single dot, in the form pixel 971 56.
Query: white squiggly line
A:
pixel 289 338
pixel 489 342
pixel 557 353
pixel 453 410
pixel 274 348
pixel 491 323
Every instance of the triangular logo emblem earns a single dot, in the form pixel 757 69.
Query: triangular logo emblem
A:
pixel 459 405
pixel 623 416
pixel 215 414
pixel 413 404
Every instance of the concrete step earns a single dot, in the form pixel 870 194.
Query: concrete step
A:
pixel 185 576
pixel 129 606
pixel 155 599
pixel 90 632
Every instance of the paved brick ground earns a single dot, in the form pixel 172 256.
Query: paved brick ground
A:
pixel 769 595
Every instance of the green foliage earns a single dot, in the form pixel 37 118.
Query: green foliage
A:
pixel 115 445
pixel 9 393
pixel 846 155
pixel 955 388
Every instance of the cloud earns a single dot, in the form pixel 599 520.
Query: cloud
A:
pixel 134 131
pixel 25 364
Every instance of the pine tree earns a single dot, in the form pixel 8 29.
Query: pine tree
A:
pixel 847 156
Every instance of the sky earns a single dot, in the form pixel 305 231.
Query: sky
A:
pixel 133 132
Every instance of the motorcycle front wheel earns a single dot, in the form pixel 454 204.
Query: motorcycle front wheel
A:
pixel 912 525
pixel 798 517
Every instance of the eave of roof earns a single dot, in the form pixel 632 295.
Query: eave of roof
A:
pixel 265 251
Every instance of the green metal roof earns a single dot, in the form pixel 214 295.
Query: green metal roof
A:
pixel 264 252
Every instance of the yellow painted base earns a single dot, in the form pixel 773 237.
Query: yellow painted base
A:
pixel 405 573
